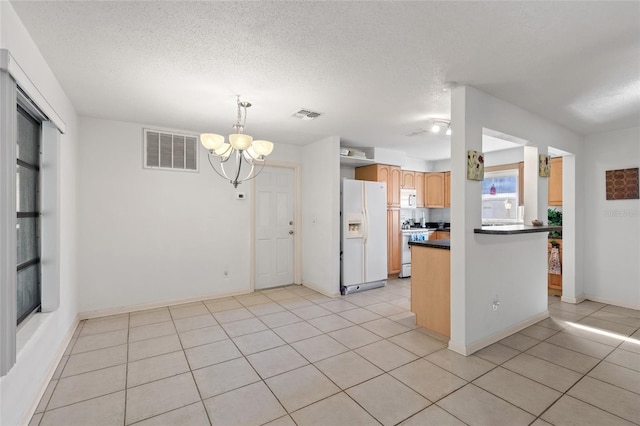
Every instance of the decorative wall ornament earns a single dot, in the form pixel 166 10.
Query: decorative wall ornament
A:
pixel 622 184
pixel 545 165
pixel 475 165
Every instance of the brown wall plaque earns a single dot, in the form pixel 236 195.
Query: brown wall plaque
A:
pixel 622 184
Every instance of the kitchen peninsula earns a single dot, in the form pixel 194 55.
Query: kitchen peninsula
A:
pixel 431 272
pixel 430 285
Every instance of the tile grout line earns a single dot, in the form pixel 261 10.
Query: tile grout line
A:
pixel 79 329
pixel 581 378
pixel 353 350
pixel 193 377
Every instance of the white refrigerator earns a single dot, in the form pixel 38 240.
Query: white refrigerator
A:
pixel 363 236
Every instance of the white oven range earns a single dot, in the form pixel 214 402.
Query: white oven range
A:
pixel 411 235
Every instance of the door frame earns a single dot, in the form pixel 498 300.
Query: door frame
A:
pixel 297 219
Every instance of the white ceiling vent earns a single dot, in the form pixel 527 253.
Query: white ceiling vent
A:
pixel 306 114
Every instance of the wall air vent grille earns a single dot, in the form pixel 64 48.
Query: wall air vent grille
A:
pixel 306 114
pixel 170 151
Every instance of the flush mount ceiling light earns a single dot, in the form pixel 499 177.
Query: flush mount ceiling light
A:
pixel 437 124
pixel 228 159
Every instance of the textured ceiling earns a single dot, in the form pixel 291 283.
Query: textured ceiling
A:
pixel 375 69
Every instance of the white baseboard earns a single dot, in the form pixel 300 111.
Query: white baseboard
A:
pixel 572 300
pixel 162 304
pixel 50 372
pixel 320 290
pixel 469 349
pixel 620 303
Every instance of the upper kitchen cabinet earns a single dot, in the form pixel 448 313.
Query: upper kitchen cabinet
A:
pixel 419 189
pixel 408 179
pixel 447 189
pixel 392 175
pixel 434 189
pixel 555 182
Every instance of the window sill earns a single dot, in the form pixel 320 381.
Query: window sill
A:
pixel 28 329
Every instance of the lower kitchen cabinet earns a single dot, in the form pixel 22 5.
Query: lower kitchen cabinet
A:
pixel 440 235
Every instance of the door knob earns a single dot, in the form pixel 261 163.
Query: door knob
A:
pixel 290 222
pixel 290 232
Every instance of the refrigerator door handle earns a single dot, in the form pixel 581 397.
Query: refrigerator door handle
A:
pixel 365 236
pixel 365 224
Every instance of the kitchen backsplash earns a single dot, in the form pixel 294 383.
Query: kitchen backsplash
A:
pixel 430 215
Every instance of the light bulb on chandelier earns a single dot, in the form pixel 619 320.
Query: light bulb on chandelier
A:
pixel 228 159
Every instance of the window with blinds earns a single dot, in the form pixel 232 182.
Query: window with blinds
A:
pixel 170 151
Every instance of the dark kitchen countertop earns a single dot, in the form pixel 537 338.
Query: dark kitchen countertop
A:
pixel 439 244
pixel 432 226
pixel 515 229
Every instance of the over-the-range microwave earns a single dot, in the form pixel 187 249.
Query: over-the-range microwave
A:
pixel 408 198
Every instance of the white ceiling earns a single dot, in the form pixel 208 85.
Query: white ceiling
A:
pixel 377 70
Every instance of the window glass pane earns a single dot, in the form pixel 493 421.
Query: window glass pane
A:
pixel 27 181
pixel 500 185
pixel 28 290
pixel 500 196
pixel 28 139
pixel 27 239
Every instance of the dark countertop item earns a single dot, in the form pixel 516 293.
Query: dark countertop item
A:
pixel 433 226
pixel 515 229
pixel 439 244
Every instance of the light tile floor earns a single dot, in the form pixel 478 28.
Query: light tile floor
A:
pixel 291 356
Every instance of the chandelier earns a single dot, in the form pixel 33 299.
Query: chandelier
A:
pixel 241 158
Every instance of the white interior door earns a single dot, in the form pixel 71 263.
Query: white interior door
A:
pixel 274 227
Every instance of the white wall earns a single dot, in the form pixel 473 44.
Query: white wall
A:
pixel 347 172
pixel 478 269
pixel 155 236
pixel 22 387
pixel 504 156
pixel 321 216
pixel 612 228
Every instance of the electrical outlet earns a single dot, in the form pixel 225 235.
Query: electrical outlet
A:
pixel 496 304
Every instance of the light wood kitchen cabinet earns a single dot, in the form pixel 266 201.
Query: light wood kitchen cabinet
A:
pixel 393 186
pixel 440 235
pixel 394 240
pixel 555 182
pixel 434 189
pixel 430 288
pixel 555 280
pixel 408 179
pixel 383 173
pixel 419 179
pixel 447 189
